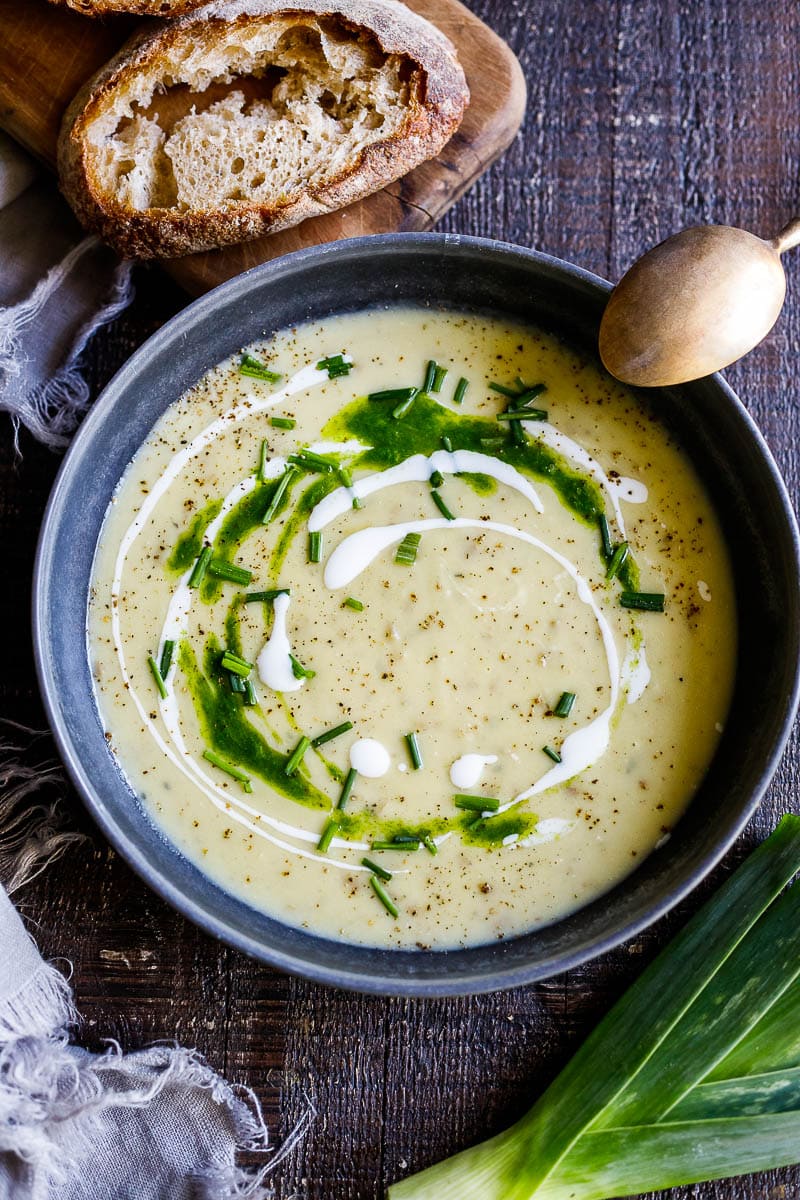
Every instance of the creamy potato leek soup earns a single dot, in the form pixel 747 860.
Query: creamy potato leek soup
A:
pixel 412 628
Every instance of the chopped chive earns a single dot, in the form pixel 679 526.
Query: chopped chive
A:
pixel 517 433
pixel 270 594
pixel 236 682
pixel 278 495
pixel 236 666
pixel 315 547
pixel 405 839
pixel 399 393
pixel 430 376
pixel 200 567
pixel 162 687
pixel 396 845
pixel 522 414
pixel 523 397
pixel 383 896
pixel 235 772
pixel 439 500
pixel 645 601
pixel 253 367
pixel 530 393
pixel 226 570
pixel 282 422
pixel 250 697
pixel 502 390
pixel 436 480
pixel 330 734
pixel 297 756
pixel 551 753
pixel 335 365
pixel 376 869
pixel 414 751
pixel 461 390
pixel 328 834
pixel 430 844
pixel 299 671
pixel 447 444
pixel 166 659
pixel 564 706
pixel 605 535
pixel 407 550
pixel 439 376
pixel 263 455
pixel 347 789
pixel 404 406
pixel 310 461
pixel 346 475
pixel 236 658
pixel 233 667
pixel 351 602
pixel 617 559
pixel 477 804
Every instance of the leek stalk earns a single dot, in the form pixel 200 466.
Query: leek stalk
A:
pixel 693 1075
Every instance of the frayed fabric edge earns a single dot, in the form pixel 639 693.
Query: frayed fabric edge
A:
pixel 38 1009
pixel 53 1100
pixel 31 835
pixel 58 1097
pixel 51 411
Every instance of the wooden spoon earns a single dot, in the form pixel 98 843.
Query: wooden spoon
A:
pixel 694 304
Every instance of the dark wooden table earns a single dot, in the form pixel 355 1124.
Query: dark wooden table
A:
pixel 644 116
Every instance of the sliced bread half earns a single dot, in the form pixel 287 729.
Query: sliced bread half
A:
pixel 246 117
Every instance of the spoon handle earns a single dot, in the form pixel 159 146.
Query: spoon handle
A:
pixel 788 237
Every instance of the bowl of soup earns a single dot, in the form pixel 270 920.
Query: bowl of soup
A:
pixel 396 644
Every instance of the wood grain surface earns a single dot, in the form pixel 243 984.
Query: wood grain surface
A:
pixel 643 116
pixel 47 53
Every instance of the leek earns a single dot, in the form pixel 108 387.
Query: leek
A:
pixel 693 1075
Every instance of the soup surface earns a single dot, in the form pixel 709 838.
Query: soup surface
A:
pixel 395 664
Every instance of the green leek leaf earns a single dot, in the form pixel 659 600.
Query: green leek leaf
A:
pixel 622 1162
pixel 773 1044
pixel 774 1091
pixel 693 1075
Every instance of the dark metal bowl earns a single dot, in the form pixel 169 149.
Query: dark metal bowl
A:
pixel 470 273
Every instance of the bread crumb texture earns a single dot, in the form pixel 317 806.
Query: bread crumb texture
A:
pixel 304 102
pixel 263 115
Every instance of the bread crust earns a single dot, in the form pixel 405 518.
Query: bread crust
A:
pixel 435 111
pixel 141 8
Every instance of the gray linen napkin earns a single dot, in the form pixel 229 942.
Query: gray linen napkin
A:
pixel 156 1124
pixel 56 288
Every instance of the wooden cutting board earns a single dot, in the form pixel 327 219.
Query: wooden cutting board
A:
pixel 47 52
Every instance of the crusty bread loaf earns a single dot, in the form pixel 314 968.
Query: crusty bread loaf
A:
pixel 142 8
pixel 246 117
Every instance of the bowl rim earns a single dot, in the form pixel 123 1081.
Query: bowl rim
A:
pixel 512 975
